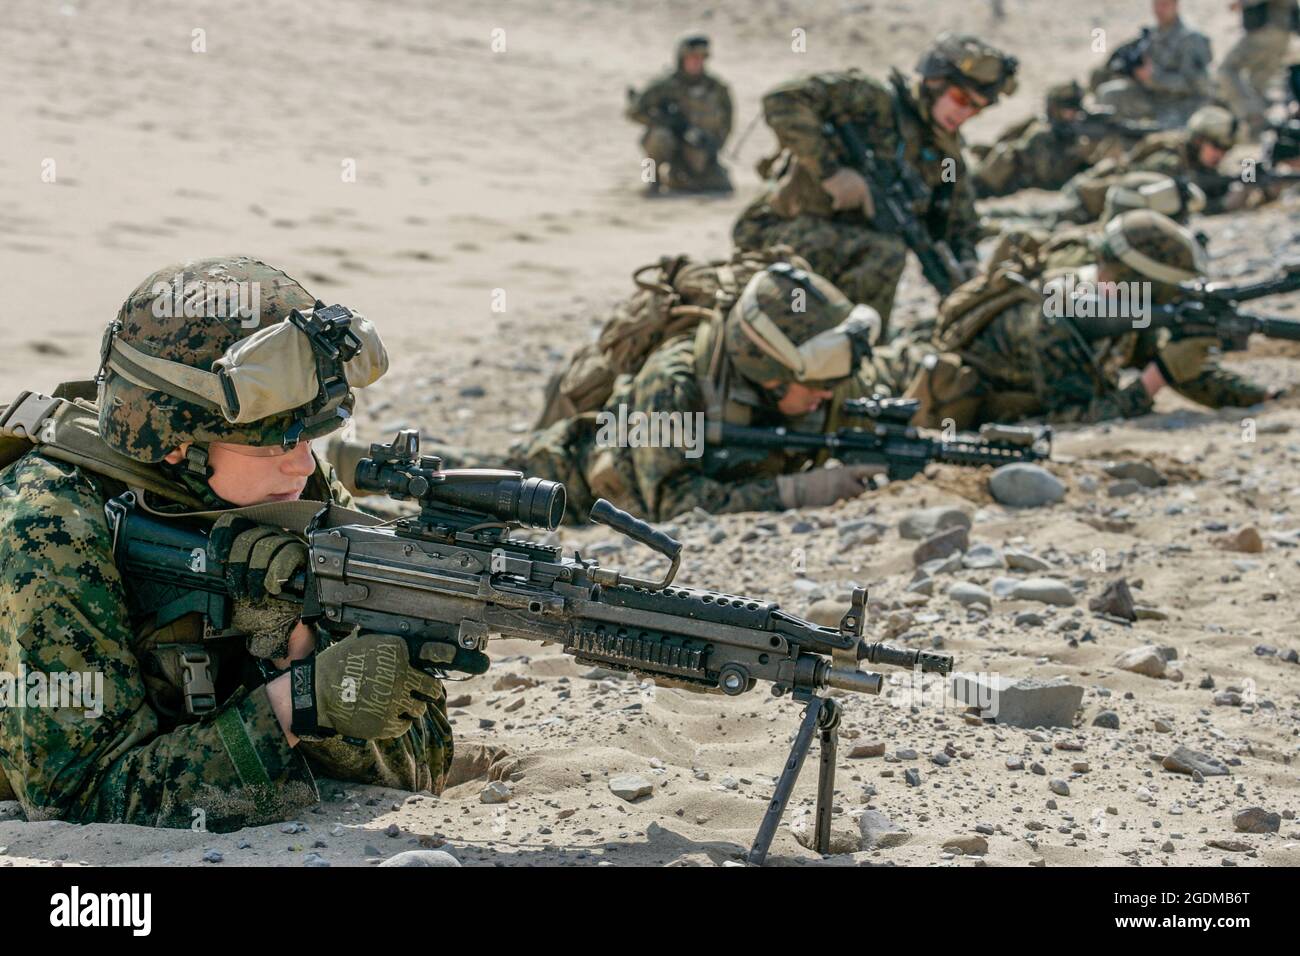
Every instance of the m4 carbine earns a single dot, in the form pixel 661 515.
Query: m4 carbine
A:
pixel 451 576
pixel 1210 309
pixel 896 188
pixel 1129 56
pixel 885 438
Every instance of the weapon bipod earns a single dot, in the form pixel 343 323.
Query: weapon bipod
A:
pixel 822 715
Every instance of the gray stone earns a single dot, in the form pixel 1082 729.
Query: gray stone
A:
pixel 942 565
pixel 966 594
pixel 1029 619
pixel 1019 702
pixel 1024 561
pixel 11 810
pixel 1137 471
pixel 1256 820
pixel 213 856
pixel 422 858
pixel 912 776
pixel 498 791
pixel 1122 489
pixel 631 786
pixel 919 525
pixel 878 832
pixel 1116 600
pixel 1001 586
pixel 1059 787
pixel 827 612
pixel 983 556
pixel 923 584
pixel 941 544
pixel 1145 660
pixel 972 845
pixel 1043 590
pixel 1025 486
pixel 1185 760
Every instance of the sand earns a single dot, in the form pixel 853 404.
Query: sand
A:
pixel 486 177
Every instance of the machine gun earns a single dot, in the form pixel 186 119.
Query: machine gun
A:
pixel 1128 57
pixel 452 575
pixel 886 438
pixel 671 115
pixel 896 188
pixel 1210 309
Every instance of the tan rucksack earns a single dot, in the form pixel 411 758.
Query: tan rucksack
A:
pixel 1011 276
pixel 673 296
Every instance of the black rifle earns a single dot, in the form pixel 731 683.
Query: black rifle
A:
pixel 1209 309
pixel 886 438
pixel 896 188
pixel 1100 123
pixel 1128 57
pixel 671 115
pixel 451 576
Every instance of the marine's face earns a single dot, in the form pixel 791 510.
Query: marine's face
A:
pixel 1210 154
pixel 799 399
pixel 955 107
pixel 244 475
pixel 1166 11
pixel 693 63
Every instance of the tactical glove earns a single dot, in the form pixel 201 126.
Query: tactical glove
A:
pixel 258 560
pixel 824 486
pixel 1182 360
pixel 362 687
pixel 848 190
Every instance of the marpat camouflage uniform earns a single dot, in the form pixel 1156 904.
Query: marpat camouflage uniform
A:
pixel 700 106
pixel 1180 80
pixel 842 246
pixel 64 607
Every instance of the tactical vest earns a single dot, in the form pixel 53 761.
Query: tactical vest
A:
pixel 187 670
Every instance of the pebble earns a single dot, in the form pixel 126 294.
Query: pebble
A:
pixel 630 787
pixel 919 525
pixel 966 594
pixel 421 858
pixel 1185 760
pixel 1137 471
pixel 1043 590
pixel 971 845
pixel 315 859
pixel 983 556
pixel 1247 541
pixel 1256 820
pixel 498 791
pixel 213 856
pixel 1059 787
pixel 1146 660
pixel 878 832
pixel 1024 561
pixel 913 777
pixel 1023 485
pixel 1122 489
pixel 873 749
pixel 941 545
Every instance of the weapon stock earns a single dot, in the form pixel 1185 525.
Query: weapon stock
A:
pixel 451 576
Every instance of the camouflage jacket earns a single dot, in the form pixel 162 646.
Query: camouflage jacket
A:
pixel 668 479
pixel 64 607
pixel 1170 153
pixel 1035 154
pixel 703 101
pixel 1032 365
pixel 886 115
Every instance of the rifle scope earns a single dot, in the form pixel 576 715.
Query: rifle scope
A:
pixel 463 495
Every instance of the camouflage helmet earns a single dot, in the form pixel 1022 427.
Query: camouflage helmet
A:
pixel 791 325
pixel 1064 96
pixel 1216 124
pixel 692 42
pixel 970 63
pixel 167 366
pixel 1151 190
pixel 1152 247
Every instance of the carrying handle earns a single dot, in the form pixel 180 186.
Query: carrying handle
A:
pixel 602 512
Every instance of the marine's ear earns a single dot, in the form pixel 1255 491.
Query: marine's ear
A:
pixel 176 456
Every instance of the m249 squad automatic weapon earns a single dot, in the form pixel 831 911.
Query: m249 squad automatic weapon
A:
pixel 448 578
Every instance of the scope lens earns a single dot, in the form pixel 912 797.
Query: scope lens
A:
pixel 541 503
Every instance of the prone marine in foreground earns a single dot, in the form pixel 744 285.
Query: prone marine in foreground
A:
pixel 198 415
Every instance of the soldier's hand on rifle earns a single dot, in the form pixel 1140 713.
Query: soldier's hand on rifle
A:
pixel 362 687
pixel 824 486
pixel 1182 360
pixel 848 190
pixel 1145 73
pixel 258 560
